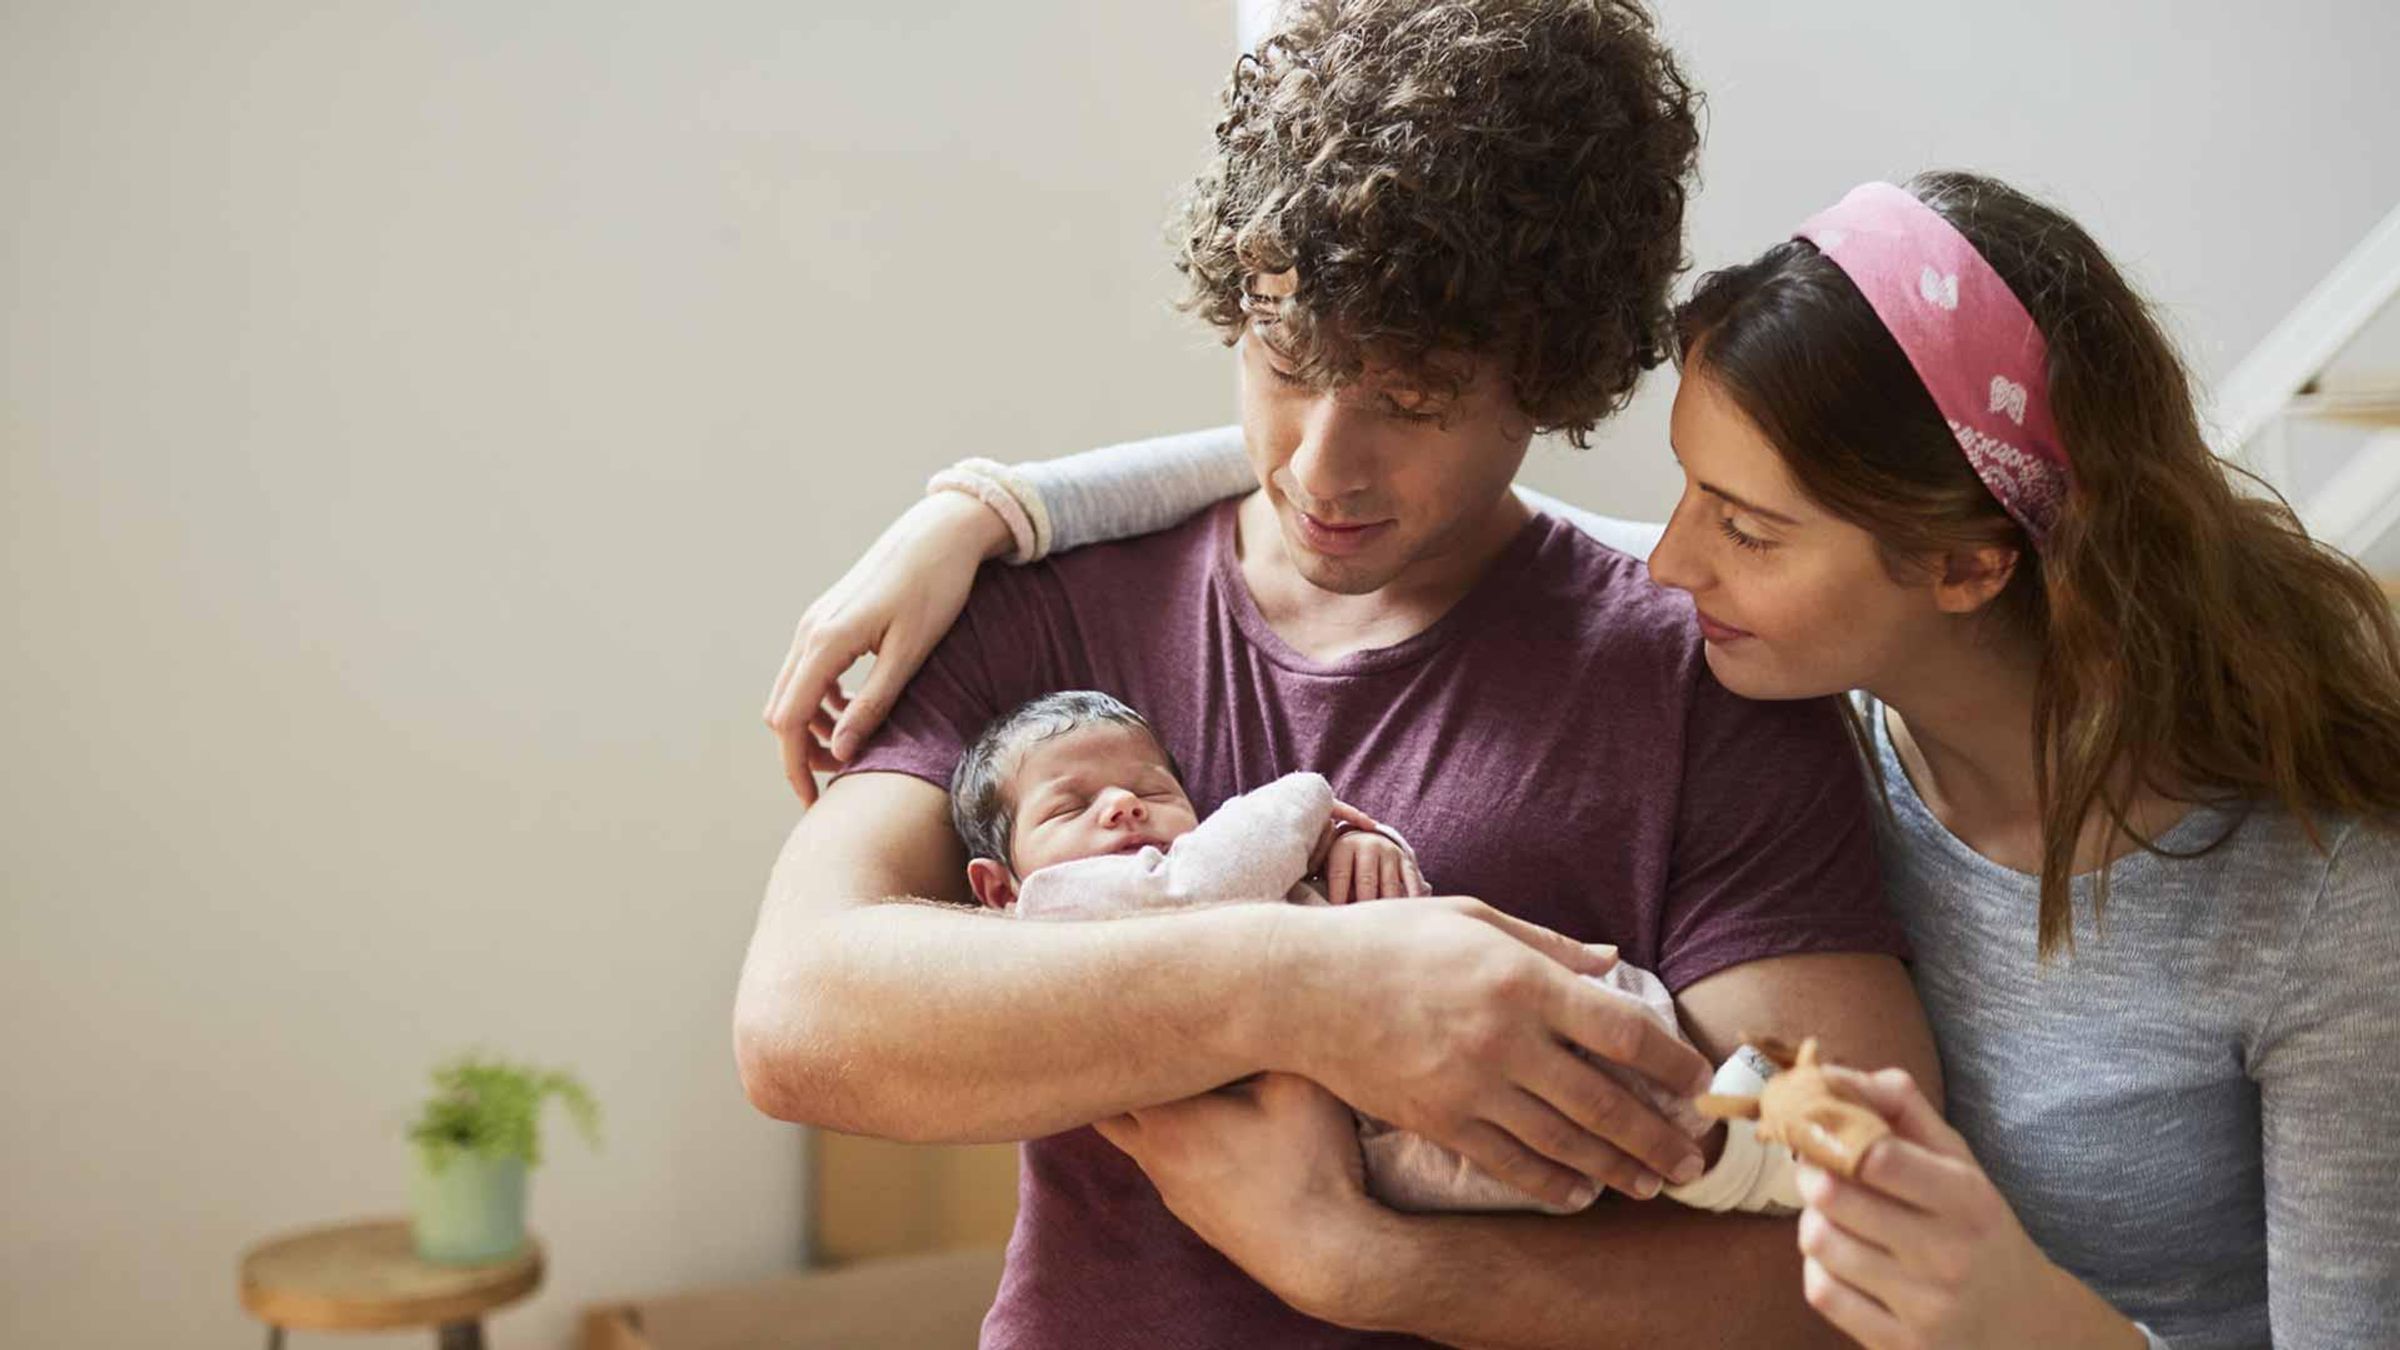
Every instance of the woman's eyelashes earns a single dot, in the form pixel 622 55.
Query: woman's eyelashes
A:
pixel 1741 538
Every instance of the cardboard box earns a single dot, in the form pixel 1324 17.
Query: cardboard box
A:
pixel 934 1302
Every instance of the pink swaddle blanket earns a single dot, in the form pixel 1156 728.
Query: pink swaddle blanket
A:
pixel 1257 848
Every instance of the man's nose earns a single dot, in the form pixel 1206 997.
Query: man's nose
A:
pixel 1336 457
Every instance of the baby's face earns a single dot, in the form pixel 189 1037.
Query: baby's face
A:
pixel 1097 789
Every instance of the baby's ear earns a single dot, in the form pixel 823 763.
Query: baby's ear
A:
pixel 991 883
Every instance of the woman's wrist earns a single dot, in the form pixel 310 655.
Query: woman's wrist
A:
pixel 2083 1318
pixel 964 516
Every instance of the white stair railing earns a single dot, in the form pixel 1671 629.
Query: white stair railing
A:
pixel 2285 379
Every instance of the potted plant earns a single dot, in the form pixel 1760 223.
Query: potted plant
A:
pixel 477 1136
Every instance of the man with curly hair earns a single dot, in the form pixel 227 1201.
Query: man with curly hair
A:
pixel 1430 231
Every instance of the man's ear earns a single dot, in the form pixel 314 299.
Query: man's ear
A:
pixel 991 883
pixel 1970 578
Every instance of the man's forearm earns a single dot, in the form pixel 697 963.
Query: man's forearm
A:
pixel 933 1023
pixel 1622 1273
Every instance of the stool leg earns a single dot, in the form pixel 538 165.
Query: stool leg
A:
pixel 467 1335
pixel 274 1337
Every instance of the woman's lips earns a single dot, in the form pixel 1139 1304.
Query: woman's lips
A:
pixel 1338 540
pixel 1718 632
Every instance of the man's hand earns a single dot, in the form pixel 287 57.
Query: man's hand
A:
pixel 1364 865
pixel 1266 1171
pixel 1444 1016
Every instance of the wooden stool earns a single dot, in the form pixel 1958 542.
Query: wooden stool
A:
pixel 365 1276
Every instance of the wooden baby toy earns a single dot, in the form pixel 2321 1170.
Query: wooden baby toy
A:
pixel 1801 1109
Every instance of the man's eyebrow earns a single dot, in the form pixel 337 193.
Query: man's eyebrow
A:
pixel 1777 516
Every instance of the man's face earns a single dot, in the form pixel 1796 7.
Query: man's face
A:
pixel 1103 788
pixel 1371 478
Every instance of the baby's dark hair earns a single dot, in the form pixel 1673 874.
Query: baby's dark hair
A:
pixel 980 808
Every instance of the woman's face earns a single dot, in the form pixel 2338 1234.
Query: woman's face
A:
pixel 1794 602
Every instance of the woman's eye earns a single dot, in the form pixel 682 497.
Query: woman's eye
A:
pixel 1733 532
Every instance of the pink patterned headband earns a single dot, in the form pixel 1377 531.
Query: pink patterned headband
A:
pixel 1973 345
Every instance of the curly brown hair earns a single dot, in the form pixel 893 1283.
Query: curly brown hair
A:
pixel 1501 178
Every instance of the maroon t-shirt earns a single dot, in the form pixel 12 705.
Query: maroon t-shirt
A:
pixel 1554 746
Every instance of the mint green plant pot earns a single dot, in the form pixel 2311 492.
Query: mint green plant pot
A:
pixel 471 1210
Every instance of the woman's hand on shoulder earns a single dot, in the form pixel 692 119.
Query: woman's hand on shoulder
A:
pixel 896 602
pixel 1920 1249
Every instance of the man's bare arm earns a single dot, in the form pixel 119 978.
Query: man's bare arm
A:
pixel 912 1019
pixel 1627 1273
pixel 866 1007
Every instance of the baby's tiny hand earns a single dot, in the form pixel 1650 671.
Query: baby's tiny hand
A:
pixel 1364 865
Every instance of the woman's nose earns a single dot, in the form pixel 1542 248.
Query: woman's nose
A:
pixel 1676 563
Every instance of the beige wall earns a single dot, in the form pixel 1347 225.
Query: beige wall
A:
pixel 421 425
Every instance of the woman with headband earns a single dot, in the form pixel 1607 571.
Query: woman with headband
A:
pixel 2139 743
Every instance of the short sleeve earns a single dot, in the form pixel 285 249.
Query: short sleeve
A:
pixel 1774 851
pixel 993 659
pixel 2327 1098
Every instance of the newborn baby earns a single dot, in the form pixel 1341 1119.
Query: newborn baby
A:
pixel 1071 808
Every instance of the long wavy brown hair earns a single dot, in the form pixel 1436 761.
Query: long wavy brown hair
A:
pixel 1496 177
pixel 2195 641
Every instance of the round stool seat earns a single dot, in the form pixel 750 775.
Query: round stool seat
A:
pixel 365 1276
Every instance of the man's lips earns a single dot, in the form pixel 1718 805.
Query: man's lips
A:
pixel 1718 632
pixel 1328 537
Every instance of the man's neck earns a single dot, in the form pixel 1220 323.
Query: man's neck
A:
pixel 1325 625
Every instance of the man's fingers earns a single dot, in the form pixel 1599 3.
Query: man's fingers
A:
pixel 1615 1028
pixel 1608 1111
pixel 1503 1155
pixel 1416 878
pixel 1581 957
pixel 1389 872
pixel 1549 1132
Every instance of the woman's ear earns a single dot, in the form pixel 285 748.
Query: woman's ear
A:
pixel 1971 578
pixel 991 883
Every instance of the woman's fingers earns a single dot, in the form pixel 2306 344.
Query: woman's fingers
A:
pixel 1870 1269
pixel 1389 874
pixel 897 661
pixel 1865 1213
pixel 1856 1315
pixel 1416 878
pixel 1895 1095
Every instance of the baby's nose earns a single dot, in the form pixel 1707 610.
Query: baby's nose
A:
pixel 1120 805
